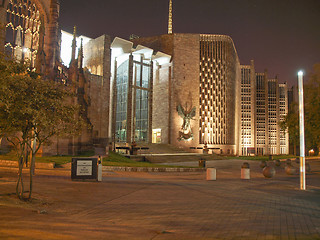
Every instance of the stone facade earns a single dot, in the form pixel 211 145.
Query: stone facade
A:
pixel 248 110
pixel 97 55
pixel 271 107
pixel 197 96
pixel 89 77
pixel 180 85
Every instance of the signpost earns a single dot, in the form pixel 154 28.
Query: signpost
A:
pixel 301 125
pixel 84 168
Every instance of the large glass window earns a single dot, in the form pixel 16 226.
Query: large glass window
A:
pixel 122 95
pixel 22 30
pixel 140 90
pixel 141 131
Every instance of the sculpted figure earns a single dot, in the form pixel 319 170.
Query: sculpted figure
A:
pixel 186 133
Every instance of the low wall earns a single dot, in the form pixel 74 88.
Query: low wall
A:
pixel 8 163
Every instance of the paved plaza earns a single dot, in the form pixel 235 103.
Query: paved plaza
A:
pixel 155 206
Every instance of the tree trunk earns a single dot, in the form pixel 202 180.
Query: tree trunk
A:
pixel 20 185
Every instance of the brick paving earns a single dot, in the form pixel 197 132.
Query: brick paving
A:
pixel 151 205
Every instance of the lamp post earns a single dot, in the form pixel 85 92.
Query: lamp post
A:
pixel 301 126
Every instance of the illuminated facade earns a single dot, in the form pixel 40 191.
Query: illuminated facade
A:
pixel 201 89
pixel 283 111
pixel 271 108
pixel 273 116
pixel 132 97
pixel 261 114
pixel 218 82
pixel 186 90
pixel 248 110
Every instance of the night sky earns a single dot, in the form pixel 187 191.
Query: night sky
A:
pixel 282 36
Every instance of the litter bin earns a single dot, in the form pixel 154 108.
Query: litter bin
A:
pixel 99 169
pixel 202 163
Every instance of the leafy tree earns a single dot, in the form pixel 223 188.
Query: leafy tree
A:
pixel 31 111
pixel 291 123
pixel 311 112
pixel 312 109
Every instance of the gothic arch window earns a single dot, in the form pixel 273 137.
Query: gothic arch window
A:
pixel 22 30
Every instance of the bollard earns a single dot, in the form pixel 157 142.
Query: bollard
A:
pixel 263 164
pixel 269 172
pixel 290 170
pixel 245 171
pixel 211 174
pixel 288 161
pixel 277 163
pixel 99 169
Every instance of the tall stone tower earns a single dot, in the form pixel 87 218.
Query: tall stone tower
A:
pixel 170 18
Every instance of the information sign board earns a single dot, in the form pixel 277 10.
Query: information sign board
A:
pixel 84 168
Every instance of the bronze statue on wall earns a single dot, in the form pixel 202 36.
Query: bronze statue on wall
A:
pixel 186 133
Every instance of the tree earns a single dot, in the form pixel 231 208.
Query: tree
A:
pixel 312 109
pixel 31 111
pixel 291 123
pixel 311 114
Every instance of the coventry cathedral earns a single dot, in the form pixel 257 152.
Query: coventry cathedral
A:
pixel 185 90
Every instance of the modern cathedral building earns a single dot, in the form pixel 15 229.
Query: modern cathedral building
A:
pixel 186 90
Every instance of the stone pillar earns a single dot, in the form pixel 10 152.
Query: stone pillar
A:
pixel 129 100
pixel 150 102
pixel 114 103
pixel 51 39
pixel 3 21
pixel 105 117
pixel 169 104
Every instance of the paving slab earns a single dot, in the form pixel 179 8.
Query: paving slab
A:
pixel 165 205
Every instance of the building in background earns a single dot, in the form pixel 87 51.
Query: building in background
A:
pixel 261 114
pixel 134 70
pixel 283 111
pixel 186 90
pixel 248 110
pixel 198 103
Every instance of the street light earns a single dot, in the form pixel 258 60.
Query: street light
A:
pixel 301 125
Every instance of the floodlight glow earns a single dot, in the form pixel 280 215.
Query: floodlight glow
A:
pixel 300 73
pixel 66 46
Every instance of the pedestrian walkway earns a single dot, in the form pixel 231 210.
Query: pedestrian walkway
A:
pixel 148 205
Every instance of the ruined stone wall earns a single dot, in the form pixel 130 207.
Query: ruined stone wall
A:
pixel 97 59
pixel 48 51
